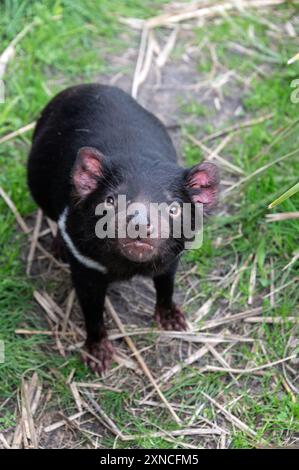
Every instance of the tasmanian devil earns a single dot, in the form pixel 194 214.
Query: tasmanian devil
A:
pixel 92 144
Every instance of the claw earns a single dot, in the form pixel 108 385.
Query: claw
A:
pixel 98 355
pixel 170 319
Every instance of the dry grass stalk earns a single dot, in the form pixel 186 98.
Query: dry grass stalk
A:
pixel 62 423
pixel 221 360
pixel 248 370
pixel 86 433
pixel 139 358
pixel 6 56
pixel 291 341
pixel 237 279
pixel 70 377
pixel 180 432
pixel 59 345
pixel 98 386
pixel 205 338
pixel 58 310
pixel 17 133
pixel 124 361
pixel 50 257
pixel 214 154
pixel 237 127
pixel 286 385
pixel 272 284
pixel 27 417
pixel 231 318
pixel 103 418
pixel 187 410
pixel 197 416
pixel 69 306
pixel 222 443
pixel 34 239
pixel 9 52
pixel 280 288
pixel 76 395
pixel 233 419
pixel 141 77
pixel 274 320
pixel 166 51
pixel 293 261
pixel 14 210
pixel 44 232
pixel 258 172
pixel 22 331
pixel 293 59
pixel 281 216
pixel 204 310
pixel 21 222
pixel 252 281
pixel 25 430
pixel 188 336
pixel 44 303
pixel 52 226
pixel 140 61
pixel 196 356
pixel 4 442
pixel 252 54
pixel 193 11
pixel 181 444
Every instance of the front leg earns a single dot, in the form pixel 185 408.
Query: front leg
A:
pixel 167 314
pixel 91 286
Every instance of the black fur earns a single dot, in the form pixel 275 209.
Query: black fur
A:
pixel 139 159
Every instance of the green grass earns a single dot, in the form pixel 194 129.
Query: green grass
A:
pixel 89 32
pixel 273 243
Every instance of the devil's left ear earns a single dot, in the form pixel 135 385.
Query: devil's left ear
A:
pixel 202 183
pixel 87 171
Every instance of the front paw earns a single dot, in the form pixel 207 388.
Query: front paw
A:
pixel 170 318
pixel 98 355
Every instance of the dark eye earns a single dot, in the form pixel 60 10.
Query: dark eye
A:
pixel 174 209
pixel 109 201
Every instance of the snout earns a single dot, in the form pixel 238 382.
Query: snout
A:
pixel 138 250
pixel 142 239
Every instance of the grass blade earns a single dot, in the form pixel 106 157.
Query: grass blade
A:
pixel 284 196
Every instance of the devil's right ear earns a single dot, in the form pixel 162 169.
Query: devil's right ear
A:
pixel 87 171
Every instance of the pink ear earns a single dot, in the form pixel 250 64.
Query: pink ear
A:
pixel 87 170
pixel 203 182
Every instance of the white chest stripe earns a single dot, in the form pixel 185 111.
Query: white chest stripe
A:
pixel 88 262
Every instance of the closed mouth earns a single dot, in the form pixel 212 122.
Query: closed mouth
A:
pixel 137 250
pixel 138 244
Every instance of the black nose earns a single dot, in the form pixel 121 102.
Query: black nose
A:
pixel 148 229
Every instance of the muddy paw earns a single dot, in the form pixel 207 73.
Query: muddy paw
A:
pixel 170 319
pixel 97 356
